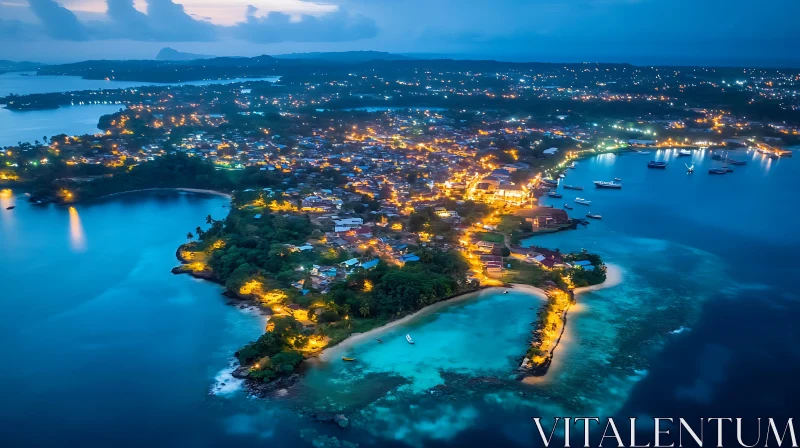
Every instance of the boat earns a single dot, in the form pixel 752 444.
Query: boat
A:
pixel 408 338
pixel 593 216
pixel 689 169
pixel 718 171
pixel 654 164
pixel 737 162
pixel 561 176
pixel 571 165
pixel 553 194
pixel 344 358
pixel 603 184
pixel 568 207
pixel 548 181
pixel 642 152
pixel 573 187
pixel 380 341
pixel 617 179
pixel 774 156
pixel 583 201
pixel 684 152
pixel 11 207
pixel 505 292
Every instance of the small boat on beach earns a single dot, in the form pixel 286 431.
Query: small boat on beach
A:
pixel 573 187
pixel 603 184
pixel 408 338
pixel 593 216
pixel 344 358
pixel 657 165
pixel 553 194
pixel 583 201
pixel 568 207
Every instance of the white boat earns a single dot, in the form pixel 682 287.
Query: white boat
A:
pixel 593 216
pixel 583 201
pixel 603 184
pixel 408 338
pixel 684 152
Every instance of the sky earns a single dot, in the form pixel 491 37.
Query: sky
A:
pixel 695 32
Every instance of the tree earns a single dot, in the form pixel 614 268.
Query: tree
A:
pixel 364 310
pixel 189 236
pixel 199 232
pixel 209 219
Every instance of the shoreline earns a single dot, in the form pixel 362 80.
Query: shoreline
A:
pixel 188 190
pixel 325 354
pixel 614 277
pixel 358 337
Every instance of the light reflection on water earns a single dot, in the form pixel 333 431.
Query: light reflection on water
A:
pixel 77 237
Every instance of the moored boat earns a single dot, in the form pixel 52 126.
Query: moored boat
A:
pixel 718 171
pixel 11 207
pixel 408 338
pixel 553 194
pixel 737 162
pixel 568 207
pixel 654 164
pixel 603 184
pixel 573 187
pixel 617 179
pixel 344 358
pixel 583 201
pixel 684 152
pixel 594 216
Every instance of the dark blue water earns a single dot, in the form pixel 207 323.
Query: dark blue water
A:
pixel 103 345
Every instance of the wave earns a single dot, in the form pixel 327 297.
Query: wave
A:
pixel 225 383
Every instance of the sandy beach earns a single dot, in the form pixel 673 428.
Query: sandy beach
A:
pixel 335 351
pixel 613 278
pixel 614 275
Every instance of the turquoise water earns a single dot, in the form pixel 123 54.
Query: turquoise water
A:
pixel 704 323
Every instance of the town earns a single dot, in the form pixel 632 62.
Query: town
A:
pixel 363 193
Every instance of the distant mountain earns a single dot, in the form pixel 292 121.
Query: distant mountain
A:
pixel 346 56
pixel 171 54
pixel 22 66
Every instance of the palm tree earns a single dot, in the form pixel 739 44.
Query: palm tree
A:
pixel 199 232
pixel 189 236
pixel 364 310
pixel 209 219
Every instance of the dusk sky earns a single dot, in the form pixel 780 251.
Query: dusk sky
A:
pixel 638 31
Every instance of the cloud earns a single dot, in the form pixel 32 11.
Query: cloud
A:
pixel 338 26
pixel 57 21
pixel 167 21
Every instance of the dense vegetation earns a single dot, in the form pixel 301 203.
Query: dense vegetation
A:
pixel 169 171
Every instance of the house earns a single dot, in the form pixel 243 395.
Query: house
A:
pixel 403 259
pixel 370 264
pixel 349 264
